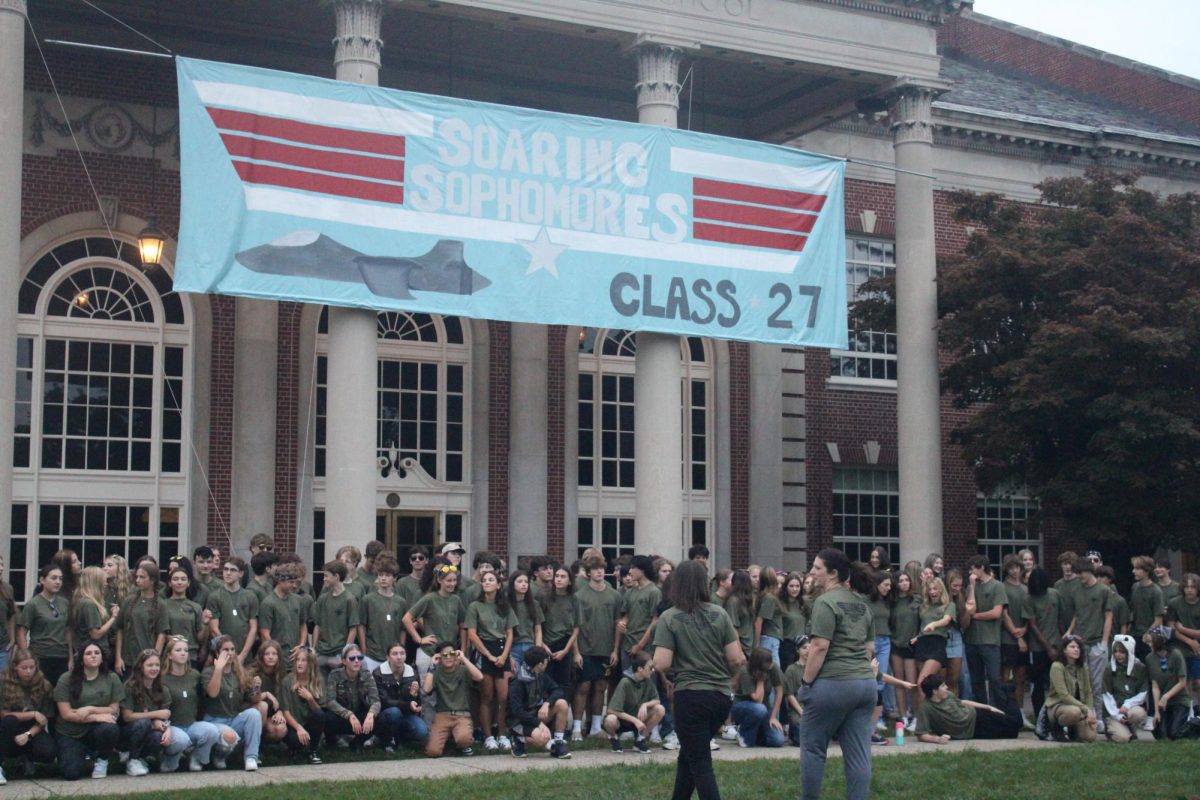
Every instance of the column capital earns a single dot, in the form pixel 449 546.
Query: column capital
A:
pixel 16 6
pixel 910 110
pixel 358 41
pixel 658 85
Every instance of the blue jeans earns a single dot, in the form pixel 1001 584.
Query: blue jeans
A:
pixel 3 659
pixel 248 728
pixel 984 661
pixel 752 720
pixel 667 726
pixel 842 709
pixel 200 736
pixel 395 724
pixel 770 643
pixel 883 652
pixel 518 654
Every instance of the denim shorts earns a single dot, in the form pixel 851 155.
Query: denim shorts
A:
pixel 1193 668
pixel 954 644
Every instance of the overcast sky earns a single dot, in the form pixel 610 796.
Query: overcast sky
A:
pixel 1161 33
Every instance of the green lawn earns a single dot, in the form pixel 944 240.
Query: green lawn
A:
pixel 1162 771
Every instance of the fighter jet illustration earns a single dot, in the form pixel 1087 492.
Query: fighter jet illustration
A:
pixel 307 254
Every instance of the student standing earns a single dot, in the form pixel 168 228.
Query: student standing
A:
pixel 905 624
pixel 91 619
pixel 1041 615
pixel 179 616
pixel 599 644
pixel 560 630
pixel 43 628
pixel 489 625
pixel 381 613
pixel 8 619
pixel 1162 576
pixel 696 646
pixel 986 599
pixel 958 677
pixel 937 614
pixel 639 609
pixel 88 698
pixel 1146 603
pixel 838 691
pixel 282 615
pixel 441 615
pixel 26 708
pixel 522 599
pixel 1183 617
pixel 1014 642
pixel 792 617
pixel 1168 685
pixel 768 629
pixel 233 610
pixel 335 617
pixel 1093 625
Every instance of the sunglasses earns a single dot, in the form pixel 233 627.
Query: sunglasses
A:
pixel 450 654
pixel 445 568
pixel 357 657
pixel 417 558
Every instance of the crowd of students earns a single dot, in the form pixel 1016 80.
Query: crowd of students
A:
pixel 185 664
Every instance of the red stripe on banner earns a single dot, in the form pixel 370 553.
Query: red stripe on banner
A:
pixel 316 182
pixel 723 190
pixel 753 215
pixel 748 236
pixel 307 133
pixel 328 160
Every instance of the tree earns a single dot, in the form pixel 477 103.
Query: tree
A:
pixel 1073 329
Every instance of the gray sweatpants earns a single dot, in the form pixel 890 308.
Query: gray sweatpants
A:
pixel 842 709
pixel 1098 664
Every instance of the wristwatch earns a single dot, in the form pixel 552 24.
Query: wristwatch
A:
pixel 807 684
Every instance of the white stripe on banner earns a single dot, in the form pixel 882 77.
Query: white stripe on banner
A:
pixel 335 113
pixel 324 207
pixel 816 180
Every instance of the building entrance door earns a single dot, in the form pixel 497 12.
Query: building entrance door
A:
pixel 400 531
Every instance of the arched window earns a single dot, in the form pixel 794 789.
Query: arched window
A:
pixel 102 384
pixel 606 475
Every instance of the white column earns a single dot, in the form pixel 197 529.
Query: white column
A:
pixel 12 90
pixel 527 454
pixel 350 472
pixel 918 410
pixel 255 372
pixel 657 449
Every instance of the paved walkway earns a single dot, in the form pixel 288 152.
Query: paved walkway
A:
pixel 119 784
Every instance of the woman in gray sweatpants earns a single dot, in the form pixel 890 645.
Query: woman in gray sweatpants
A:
pixel 838 690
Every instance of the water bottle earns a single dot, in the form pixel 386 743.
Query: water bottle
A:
pixel 899 734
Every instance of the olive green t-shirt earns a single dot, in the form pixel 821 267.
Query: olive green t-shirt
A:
pixel 358 588
pixel 742 617
pixel 147 704
pixel 599 612
pixel 185 697
pixel 336 615
pixel 181 617
pixel 283 617
pixel 527 620
pixel 46 625
pixel 409 587
pixel 488 622
pixel 987 596
pixel 229 702
pixel 261 590
pixel 1145 603
pixel 844 619
pixel 881 613
pixel 105 690
pixel 382 621
pixel 793 619
pixel 1169 591
pixel 443 617
pixel 746 684
pixel 139 626
pixel 947 717
pixel 24 701
pixel 468 594
pixel 630 694
pixel 1067 590
pixel 935 614
pixel 698 641
pixel 906 621
pixel 1120 610
pixel 1166 672
pixel 233 612
pixel 452 688
pixel 641 604
pixel 768 611
pixel 793 678
pixel 85 617
pixel 1016 594
pixel 1044 611
pixel 1123 685
pixel 562 617
pixel 1091 602
pixel 292 703
pixel 1180 611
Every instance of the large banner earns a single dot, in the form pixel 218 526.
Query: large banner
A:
pixel 301 188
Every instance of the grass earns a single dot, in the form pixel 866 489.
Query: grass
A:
pixel 1160 770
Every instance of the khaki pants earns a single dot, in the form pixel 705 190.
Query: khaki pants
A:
pixel 444 726
pixel 1122 732
pixel 1073 717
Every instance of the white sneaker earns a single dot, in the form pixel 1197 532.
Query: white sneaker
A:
pixel 251 764
pixel 671 742
pixel 100 769
pixel 136 768
pixel 1148 725
pixel 656 736
pixel 123 756
pixel 3 780
pixel 576 735
pixel 490 743
pixel 881 725
pixel 194 764
pixel 741 740
pixel 712 745
pixel 504 742
pixel 169 763
pixel 910 724
pixel 730 733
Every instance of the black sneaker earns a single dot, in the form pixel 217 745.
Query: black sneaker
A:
pixel 314 759
pixel 642 746
pixel 558 749
pixel 467 751
pixel 518 747
pixel 615 743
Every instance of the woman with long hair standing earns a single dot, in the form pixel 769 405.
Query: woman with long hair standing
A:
pixel 118 581
pixel 838 689
pixel 696 645
pixel 137 626
pixel 91 619
pixel 43 628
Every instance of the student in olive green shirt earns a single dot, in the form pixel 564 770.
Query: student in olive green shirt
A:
pixel 282 616
pixel 1183 617
pixel 89 699
pixel 335 618
pixel 639 609
pixel 1162 576
pixel 599 644
pixel 634 706
pixel 768 618
pixel 43 628
pixel 409 587
pixel 186 691
pixel 231 707
pixel 1093 624
pixel 234 609
pixel 1146 603
pixel 179 616
pixel 450 680
pixel 757 698
pixel 1167 672
pixel 441 614
pixel 986 600
pixel 489 625
pixel 943 717
pixel 381 614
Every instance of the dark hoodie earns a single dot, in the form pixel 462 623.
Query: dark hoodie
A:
pixel 526 695
pixel 396 691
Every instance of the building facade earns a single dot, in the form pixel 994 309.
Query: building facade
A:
pixel 141 420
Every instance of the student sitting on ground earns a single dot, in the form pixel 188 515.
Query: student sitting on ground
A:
pixel 943 717
pixel 793 678
pixel 634 707
pixel 757 698
pixel 1125 689
pixel 450 678
pixel 537 707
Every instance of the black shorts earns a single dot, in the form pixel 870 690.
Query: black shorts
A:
pixel 594 668
pixel 931 647
pixel 487 666
pixel 623 726
pixel 901 652
pixel 1011 656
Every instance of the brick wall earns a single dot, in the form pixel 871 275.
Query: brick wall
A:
pixel 556 343
pixel 220 416
pixel 499 377
pixel 1070 66
pixel 739 452
pixel 287 449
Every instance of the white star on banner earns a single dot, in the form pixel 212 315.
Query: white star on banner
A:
pixel 542 253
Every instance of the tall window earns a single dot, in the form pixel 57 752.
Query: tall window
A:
pixel 1006 524
pixel 606 474
pixel 866 511
pixel 101 429
pixel 421 392
pixel 872 354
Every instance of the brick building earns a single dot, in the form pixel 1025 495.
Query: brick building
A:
pixel 142 420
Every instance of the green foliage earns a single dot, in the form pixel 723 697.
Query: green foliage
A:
pixel 1074 329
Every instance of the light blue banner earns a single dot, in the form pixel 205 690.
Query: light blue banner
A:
pixel 306 189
